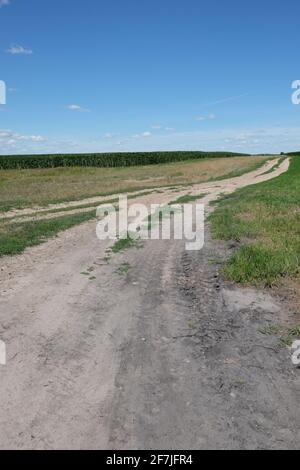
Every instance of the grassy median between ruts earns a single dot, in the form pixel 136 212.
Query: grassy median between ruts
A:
pixel 14 238
pixel 265 219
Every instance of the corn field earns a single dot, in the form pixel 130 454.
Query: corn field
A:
pixel 103 160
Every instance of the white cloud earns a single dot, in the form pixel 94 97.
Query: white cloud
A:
pixel 4 2
pixel 159 126
pixel 143 134
pixel 124 141
pixel 37 138
pixel 16 49
pixel 248 140
pixel 76 107
pixel 205 118
pixel 256 140
pixel 8 137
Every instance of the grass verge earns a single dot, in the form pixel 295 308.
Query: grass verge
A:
pixel 265 219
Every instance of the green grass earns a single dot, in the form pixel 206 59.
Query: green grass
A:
pixel 187 198
pixel 124 244
pixel 286 335
pixel 124 268
pixel 291 335
pixel 265 219
pixel 270 330
pixel 16 237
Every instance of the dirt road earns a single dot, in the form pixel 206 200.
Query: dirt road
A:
pixel 164 355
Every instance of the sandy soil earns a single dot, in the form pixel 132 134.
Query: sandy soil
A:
pixel 167 355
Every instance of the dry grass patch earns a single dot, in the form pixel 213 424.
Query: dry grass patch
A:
pixel 28 188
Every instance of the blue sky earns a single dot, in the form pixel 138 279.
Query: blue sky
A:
pixel 122 75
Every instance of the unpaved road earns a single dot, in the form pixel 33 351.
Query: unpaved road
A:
pixel 167 355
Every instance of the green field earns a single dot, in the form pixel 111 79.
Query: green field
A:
pixel 104 160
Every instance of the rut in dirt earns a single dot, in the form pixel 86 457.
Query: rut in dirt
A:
pixel 203 376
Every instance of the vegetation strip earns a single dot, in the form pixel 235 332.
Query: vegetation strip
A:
pixel 265 220
pixel 38 189
pixel 104 160
pixel 281 160
pixel 187 198
pixel 125 243
pixel 15 238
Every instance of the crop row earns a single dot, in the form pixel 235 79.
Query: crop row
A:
pixel 104 160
